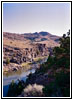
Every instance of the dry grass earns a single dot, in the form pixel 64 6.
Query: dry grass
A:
pixel 39 58
pixel 26 64
pixel 17 43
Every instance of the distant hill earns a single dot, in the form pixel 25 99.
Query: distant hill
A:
pixel 46 35
pixel 29 39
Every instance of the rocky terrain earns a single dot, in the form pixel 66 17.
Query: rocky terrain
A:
pixel 23 48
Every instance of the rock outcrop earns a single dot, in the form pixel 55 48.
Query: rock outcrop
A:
pixel 19 56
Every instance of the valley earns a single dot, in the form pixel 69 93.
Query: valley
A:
pixel 23 54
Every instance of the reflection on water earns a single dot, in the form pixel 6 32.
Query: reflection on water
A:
pixel 5 90
pixel 8 79
pixel 19 72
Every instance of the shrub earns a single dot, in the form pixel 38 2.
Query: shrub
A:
pixel 37 52
pixel 7 61
pixel 33 91
pixel 15 89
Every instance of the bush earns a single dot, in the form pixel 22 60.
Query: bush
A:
pixel 15 89
pixel 58 51
pixel 7 61
pixel 33 91
pixel 37 52
pixel 50 61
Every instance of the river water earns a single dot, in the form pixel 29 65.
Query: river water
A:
pixel 21 74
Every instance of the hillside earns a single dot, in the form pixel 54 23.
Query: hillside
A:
pixel 27 40
pixel 25 48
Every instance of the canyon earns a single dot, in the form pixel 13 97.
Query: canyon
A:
pixel 27 48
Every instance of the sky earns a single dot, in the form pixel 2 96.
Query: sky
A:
pixel 35 17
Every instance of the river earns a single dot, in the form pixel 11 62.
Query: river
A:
pixel 21 74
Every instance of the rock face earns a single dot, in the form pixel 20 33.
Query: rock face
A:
pixel 11 67
pixel 19 56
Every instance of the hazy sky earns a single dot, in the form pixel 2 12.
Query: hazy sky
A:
pixel 36 17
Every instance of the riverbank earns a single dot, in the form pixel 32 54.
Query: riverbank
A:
pixel 13 67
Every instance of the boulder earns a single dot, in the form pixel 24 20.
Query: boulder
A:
pixel 13 60
pixel 14 69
